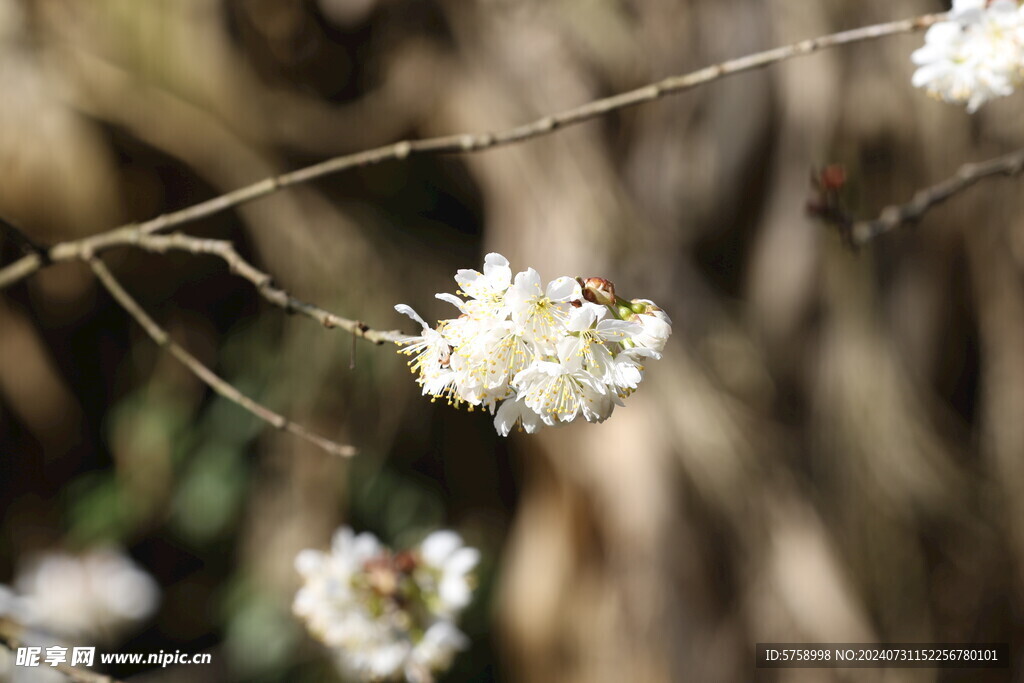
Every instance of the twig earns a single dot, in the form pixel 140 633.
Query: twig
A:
pixel 221 387
pixel 546 125
pixel 262 281
pixel 1009 165
pixel 9 638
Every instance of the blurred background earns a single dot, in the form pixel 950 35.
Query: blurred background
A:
pixel 832 448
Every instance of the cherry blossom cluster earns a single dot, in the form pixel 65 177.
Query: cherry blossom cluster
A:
pixel 387 615
pixel 532 354
pixel 974 56
pixel 99 595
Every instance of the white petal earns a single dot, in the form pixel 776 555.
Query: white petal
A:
pixel 531 421
pixel 497 270
pixel 513 410
pixel 529 280
pixel 462 561
pixel 964 5
pixel 506 417
pixel 454 592
pixel 1007 7
pixel 438 546
pixel 943 32
pixel 342 541
pixel 617 330
pixel 570 348
pixel 407 310
pixel 365 546
pixel 563 289
pixel 435 651
pixel 584 317
pixel 453 300
pixel 467 276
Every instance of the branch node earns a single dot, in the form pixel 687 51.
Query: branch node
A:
pixel 403 149
pixel 967 171
pixel 925 200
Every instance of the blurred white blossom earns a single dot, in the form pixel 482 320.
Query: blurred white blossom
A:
pixel 976 55
pixel 549 354
pixel 97 595
pixel 10 604
pixel 387 615
pixel 445 571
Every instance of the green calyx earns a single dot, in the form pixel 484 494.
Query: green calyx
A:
pixel 625 309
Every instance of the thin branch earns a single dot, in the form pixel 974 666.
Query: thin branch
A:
pixel 10 639
pixel 263 282
pixel 460 143
pixel 893 217
pixel 211 379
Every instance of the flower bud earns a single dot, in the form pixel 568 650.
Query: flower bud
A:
pixel 597 290
pixel 657 326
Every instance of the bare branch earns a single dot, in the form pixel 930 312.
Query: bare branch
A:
pixel 226 251
pixel 211 379
pixel 10 638
pixel 449 144
pixel 893 217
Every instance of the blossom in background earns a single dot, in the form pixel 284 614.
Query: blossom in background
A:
pixel 535 354
pixel 63 600
pixel 10 603
pixel 98 595
pixel 974 56
pixel 387 615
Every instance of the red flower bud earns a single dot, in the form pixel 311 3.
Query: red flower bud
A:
pixel 598 290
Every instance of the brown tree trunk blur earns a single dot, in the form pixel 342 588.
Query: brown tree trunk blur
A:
pixel 831 449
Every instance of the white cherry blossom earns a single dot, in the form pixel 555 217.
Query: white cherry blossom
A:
pixel 591 336
pixel 486 290
pixel 656 327
pixel 535 354
pixel 542 312
pixel 101 594
pixel 974 56
pixel 387 615
pixel 562 391
pixel 430 350
pixel 628 369
pixel 513 412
